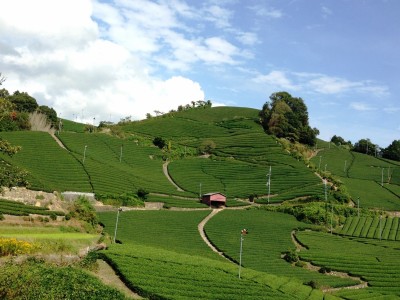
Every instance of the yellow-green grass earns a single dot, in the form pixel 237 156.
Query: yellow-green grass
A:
pixel 50 239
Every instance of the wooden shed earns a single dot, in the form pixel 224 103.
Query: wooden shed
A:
pixel 214 199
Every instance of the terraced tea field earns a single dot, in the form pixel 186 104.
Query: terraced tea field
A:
pixel 375 181
pixel 382 228
pixel 375 261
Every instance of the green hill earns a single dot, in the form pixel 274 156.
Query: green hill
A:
pixel 238 165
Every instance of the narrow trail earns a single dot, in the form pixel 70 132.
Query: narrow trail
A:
pixel 165 170
pixel 200 227
pixel 108 276
pixel 57 140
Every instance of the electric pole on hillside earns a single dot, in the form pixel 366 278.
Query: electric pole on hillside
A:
pixel 242 234
pixel 120 155
pixel 200 192
pixel 269 182
pixel 116 224
pixel 84 155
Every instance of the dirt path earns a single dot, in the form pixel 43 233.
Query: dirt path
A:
pixel 165 170
pixel 107 275
pixel 58 141
pixel 200 227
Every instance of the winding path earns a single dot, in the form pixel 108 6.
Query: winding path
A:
pixel 165 170
pixel 200 227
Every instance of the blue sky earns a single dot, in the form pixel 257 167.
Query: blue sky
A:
pixel 111 59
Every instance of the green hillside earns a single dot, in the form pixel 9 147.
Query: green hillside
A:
pixel 372 180
pixel 238 165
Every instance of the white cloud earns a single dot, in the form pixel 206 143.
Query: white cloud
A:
pixel 277 79
pixel 61 57
pixel 219 16
pixel 360 106
pixel 326 11
pixel 265 11
pixel 247 38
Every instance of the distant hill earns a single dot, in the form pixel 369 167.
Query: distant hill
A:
pixel 240 159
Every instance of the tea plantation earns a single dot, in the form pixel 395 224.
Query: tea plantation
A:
pixel 163 256
pixel 160 254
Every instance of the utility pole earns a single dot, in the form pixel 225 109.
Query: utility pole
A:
pixel 345 165
pixel 200 191
pixel 269 182
pixel 120 155
pixel 84 155
pixel 116 224
pixel 382 178
pixel 242 234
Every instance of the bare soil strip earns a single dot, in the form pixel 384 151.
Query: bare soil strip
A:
pixel 107 275
pixel 165 170
pixel 200 227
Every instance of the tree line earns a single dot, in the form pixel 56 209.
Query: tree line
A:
pixel 285 116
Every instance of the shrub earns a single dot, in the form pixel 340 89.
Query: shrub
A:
pixel 159 142
pixel 1 217
pixel 53 216
pixel 325 270
pixel 12 246
pixel 142 193
pixel 291 256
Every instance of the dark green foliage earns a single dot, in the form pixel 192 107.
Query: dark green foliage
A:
pixel 23 102
pixel 83 210
pixel 287 117
pixel 35 280
pixel 50 113
pixel 291 256
pixel 159 142
pixel 392 151
pixel 339 141
pixel 1 217
pixel 365 146
pixel 207 147
pixel 142 193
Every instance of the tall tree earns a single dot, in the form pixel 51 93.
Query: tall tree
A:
pixel 392 151
pixel 23 102
pixel 287 116
pixel 365 146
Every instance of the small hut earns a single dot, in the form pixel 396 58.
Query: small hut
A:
pixel 214 199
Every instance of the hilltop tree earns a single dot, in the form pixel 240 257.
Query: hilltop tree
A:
pixel 50 113
pixel 23 102
pixel 287 117
pixel 392 151
pixel 338 140
pixel 365 146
